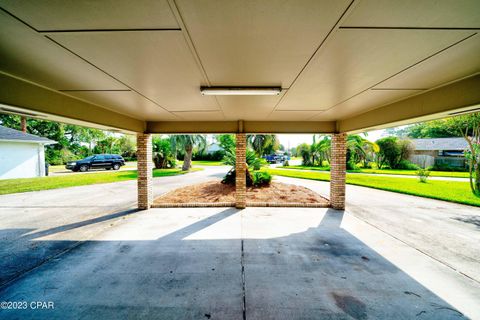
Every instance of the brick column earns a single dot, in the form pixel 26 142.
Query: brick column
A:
pixel 241 167
pixel 338 167
pixel 145 167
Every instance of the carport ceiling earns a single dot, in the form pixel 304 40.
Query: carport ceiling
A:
pixel 147 59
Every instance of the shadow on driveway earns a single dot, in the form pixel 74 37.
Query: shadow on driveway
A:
pixel 194 272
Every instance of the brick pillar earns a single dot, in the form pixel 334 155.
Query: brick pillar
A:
pixel 338 167
pixel 145 167
pixel 241 167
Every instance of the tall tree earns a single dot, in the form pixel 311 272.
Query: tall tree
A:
pixel 468 126
pixel 263 143
pixel 393 151
pixel 320 151
pixel 442 128
pixel 187 142
pixel 360 149
pixel 226 141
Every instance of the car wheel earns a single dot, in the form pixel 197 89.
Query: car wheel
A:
pixel 116 166
pixel 83 168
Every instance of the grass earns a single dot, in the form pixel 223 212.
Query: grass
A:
pixel 448 174
pixel 453 191
pixel 203 163
pixel 55 182
pixel 207 163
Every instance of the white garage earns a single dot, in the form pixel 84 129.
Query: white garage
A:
pixel 22 155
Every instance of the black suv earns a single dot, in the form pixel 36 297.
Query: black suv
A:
pixel 98 161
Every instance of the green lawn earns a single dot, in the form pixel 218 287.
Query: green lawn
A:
pixel 55 182
pixel 390 171
pixel 454 191
pixel 203 163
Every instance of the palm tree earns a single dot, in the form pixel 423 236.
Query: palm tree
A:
pixel 231 159
pixel 321 150
pixel 261 143
pixel 187 142
pixel 360 148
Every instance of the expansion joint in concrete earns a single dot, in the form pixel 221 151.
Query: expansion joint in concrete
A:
pixel 244 299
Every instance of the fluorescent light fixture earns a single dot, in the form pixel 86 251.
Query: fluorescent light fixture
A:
pixel 240 91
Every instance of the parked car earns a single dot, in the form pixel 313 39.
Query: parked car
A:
pixel 98 161
pixel 276 158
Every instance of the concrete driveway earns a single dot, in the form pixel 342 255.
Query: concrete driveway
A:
pixel 84 252
pixel 447 232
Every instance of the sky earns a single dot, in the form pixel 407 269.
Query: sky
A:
pixel 293 140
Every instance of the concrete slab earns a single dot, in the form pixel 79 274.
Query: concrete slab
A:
pixel 258 263
pixel 446 231
pixel 88 210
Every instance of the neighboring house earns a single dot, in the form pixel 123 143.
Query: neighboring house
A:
pixel 22 155
pixel 213 147
pixel 439 151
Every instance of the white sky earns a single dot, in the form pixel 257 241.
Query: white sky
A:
pixel 293 140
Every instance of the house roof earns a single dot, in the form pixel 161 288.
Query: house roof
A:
pixel 7 134
pixel 440 144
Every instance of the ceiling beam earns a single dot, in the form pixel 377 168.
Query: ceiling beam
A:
pixel 437 103
pixel 202 127
pixel 26 95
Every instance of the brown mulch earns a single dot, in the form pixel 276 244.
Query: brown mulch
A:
pixel 215 191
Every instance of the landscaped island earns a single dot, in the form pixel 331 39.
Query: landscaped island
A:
pixel 215 192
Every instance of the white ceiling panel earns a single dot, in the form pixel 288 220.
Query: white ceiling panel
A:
pixel 126 102
pixel 157 64
pixel 29 55
pixel 363 102
pixel 248 107
pixel 356 60
pixel 416 13
pixel 280 115
pixel 258 42
pixel 200 116
pixel 92 15
pixel 456 62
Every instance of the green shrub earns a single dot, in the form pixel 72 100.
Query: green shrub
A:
pixel 214 156
pixel 393 152
pixel 446 167
pixel 59 157
pixel 162 153
pixel 423 175
pixel 371 165
pixel 261 178
pixel 406 165
pixel 351 165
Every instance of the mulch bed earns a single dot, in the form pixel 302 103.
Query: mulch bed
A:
pixel 216 192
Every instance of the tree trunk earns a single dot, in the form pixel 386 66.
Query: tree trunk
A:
pixel 187 159
pixel 23 124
